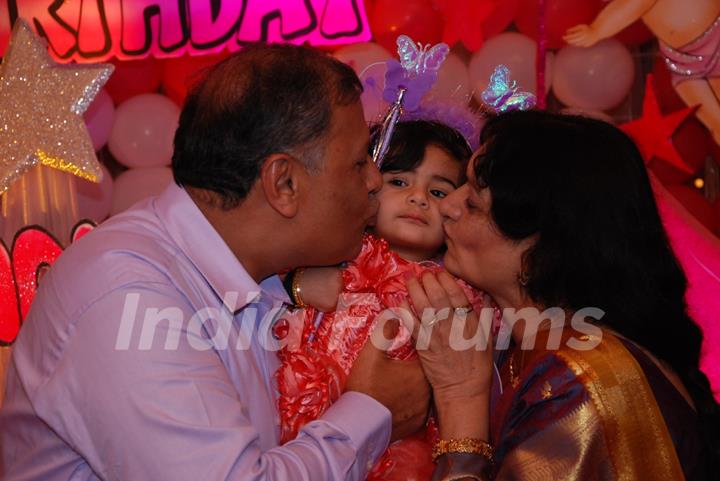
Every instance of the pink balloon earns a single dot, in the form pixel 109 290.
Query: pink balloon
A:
pixel 142 135
pixel 361 55
pixel 453 81
pixel 593 114
pixel 99 119
pixel 95 200
pixel 517 52
pixel 596 78
pixel 135 185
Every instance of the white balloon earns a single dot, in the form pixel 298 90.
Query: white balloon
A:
pixel 143 131
pixel 453 81
pixel 99 118
pixel 135 185
pixel 95 200
pixel 595 78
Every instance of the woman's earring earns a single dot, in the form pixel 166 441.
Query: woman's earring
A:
pixel 523 278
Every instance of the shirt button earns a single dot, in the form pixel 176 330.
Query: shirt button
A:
pixel 280 329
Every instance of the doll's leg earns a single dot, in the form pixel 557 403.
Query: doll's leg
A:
pixel 702 92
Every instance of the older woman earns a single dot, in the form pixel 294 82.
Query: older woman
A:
pixel 558 224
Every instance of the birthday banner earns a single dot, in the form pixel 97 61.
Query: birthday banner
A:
pixel 96 30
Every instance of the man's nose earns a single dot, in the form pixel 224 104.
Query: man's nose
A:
pixel 374 178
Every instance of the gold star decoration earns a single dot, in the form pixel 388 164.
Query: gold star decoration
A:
pixel 41 107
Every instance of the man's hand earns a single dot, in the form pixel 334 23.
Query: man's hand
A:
pixel 321 286
pixel 398 385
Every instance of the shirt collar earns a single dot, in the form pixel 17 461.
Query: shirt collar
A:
pixel 200 242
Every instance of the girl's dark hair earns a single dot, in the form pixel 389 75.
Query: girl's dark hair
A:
pixel 580 187
pixel 411 138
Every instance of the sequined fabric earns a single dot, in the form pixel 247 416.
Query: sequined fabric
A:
pixel 698 59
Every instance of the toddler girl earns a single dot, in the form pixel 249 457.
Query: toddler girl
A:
pixel 425 162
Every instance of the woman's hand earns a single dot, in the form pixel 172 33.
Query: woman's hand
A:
pixel 455 349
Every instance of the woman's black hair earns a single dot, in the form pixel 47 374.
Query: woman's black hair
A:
pixel 411 138
pixel 580 187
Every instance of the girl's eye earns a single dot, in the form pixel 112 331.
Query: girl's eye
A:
pixel 438 193
pixel 397 182
pixel 469 205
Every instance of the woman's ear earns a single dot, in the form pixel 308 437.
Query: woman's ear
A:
pixel 281 176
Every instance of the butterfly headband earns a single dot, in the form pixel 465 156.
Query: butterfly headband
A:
pixel 501 94
pixel 406 82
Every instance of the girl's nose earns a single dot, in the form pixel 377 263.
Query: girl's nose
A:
pixel 418 197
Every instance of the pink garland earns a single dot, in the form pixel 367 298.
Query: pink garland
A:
pixel 540 57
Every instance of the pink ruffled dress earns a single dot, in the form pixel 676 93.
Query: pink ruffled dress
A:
pixel 315 367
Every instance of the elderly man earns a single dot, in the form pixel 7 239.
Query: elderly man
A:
pixel 149 352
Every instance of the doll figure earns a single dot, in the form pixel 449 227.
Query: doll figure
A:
pixel 688 32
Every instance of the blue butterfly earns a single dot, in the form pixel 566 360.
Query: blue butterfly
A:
pixel 502 93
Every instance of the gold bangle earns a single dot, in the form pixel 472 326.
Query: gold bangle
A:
pixel 297 299
pixel 463 445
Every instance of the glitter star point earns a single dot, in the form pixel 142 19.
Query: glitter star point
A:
pixel 41 107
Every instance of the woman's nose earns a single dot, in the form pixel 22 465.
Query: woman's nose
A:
pixel 451 205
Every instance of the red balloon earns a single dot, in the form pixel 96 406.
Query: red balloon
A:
pixel 418 19
pixel 503 15
pixel 635 34
pixel 559 16
pixel 693 200
pixel 183 72
pixel 667 97
pixel 369 4
pixel 134 77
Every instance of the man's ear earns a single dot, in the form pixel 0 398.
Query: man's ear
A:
pixel 280 177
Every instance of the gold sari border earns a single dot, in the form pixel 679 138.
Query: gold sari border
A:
pixel 637 437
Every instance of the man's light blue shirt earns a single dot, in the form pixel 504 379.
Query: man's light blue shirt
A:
pixel 147 355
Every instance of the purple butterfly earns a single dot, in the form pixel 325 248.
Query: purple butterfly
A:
pixel 419 59
pixel 417 71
